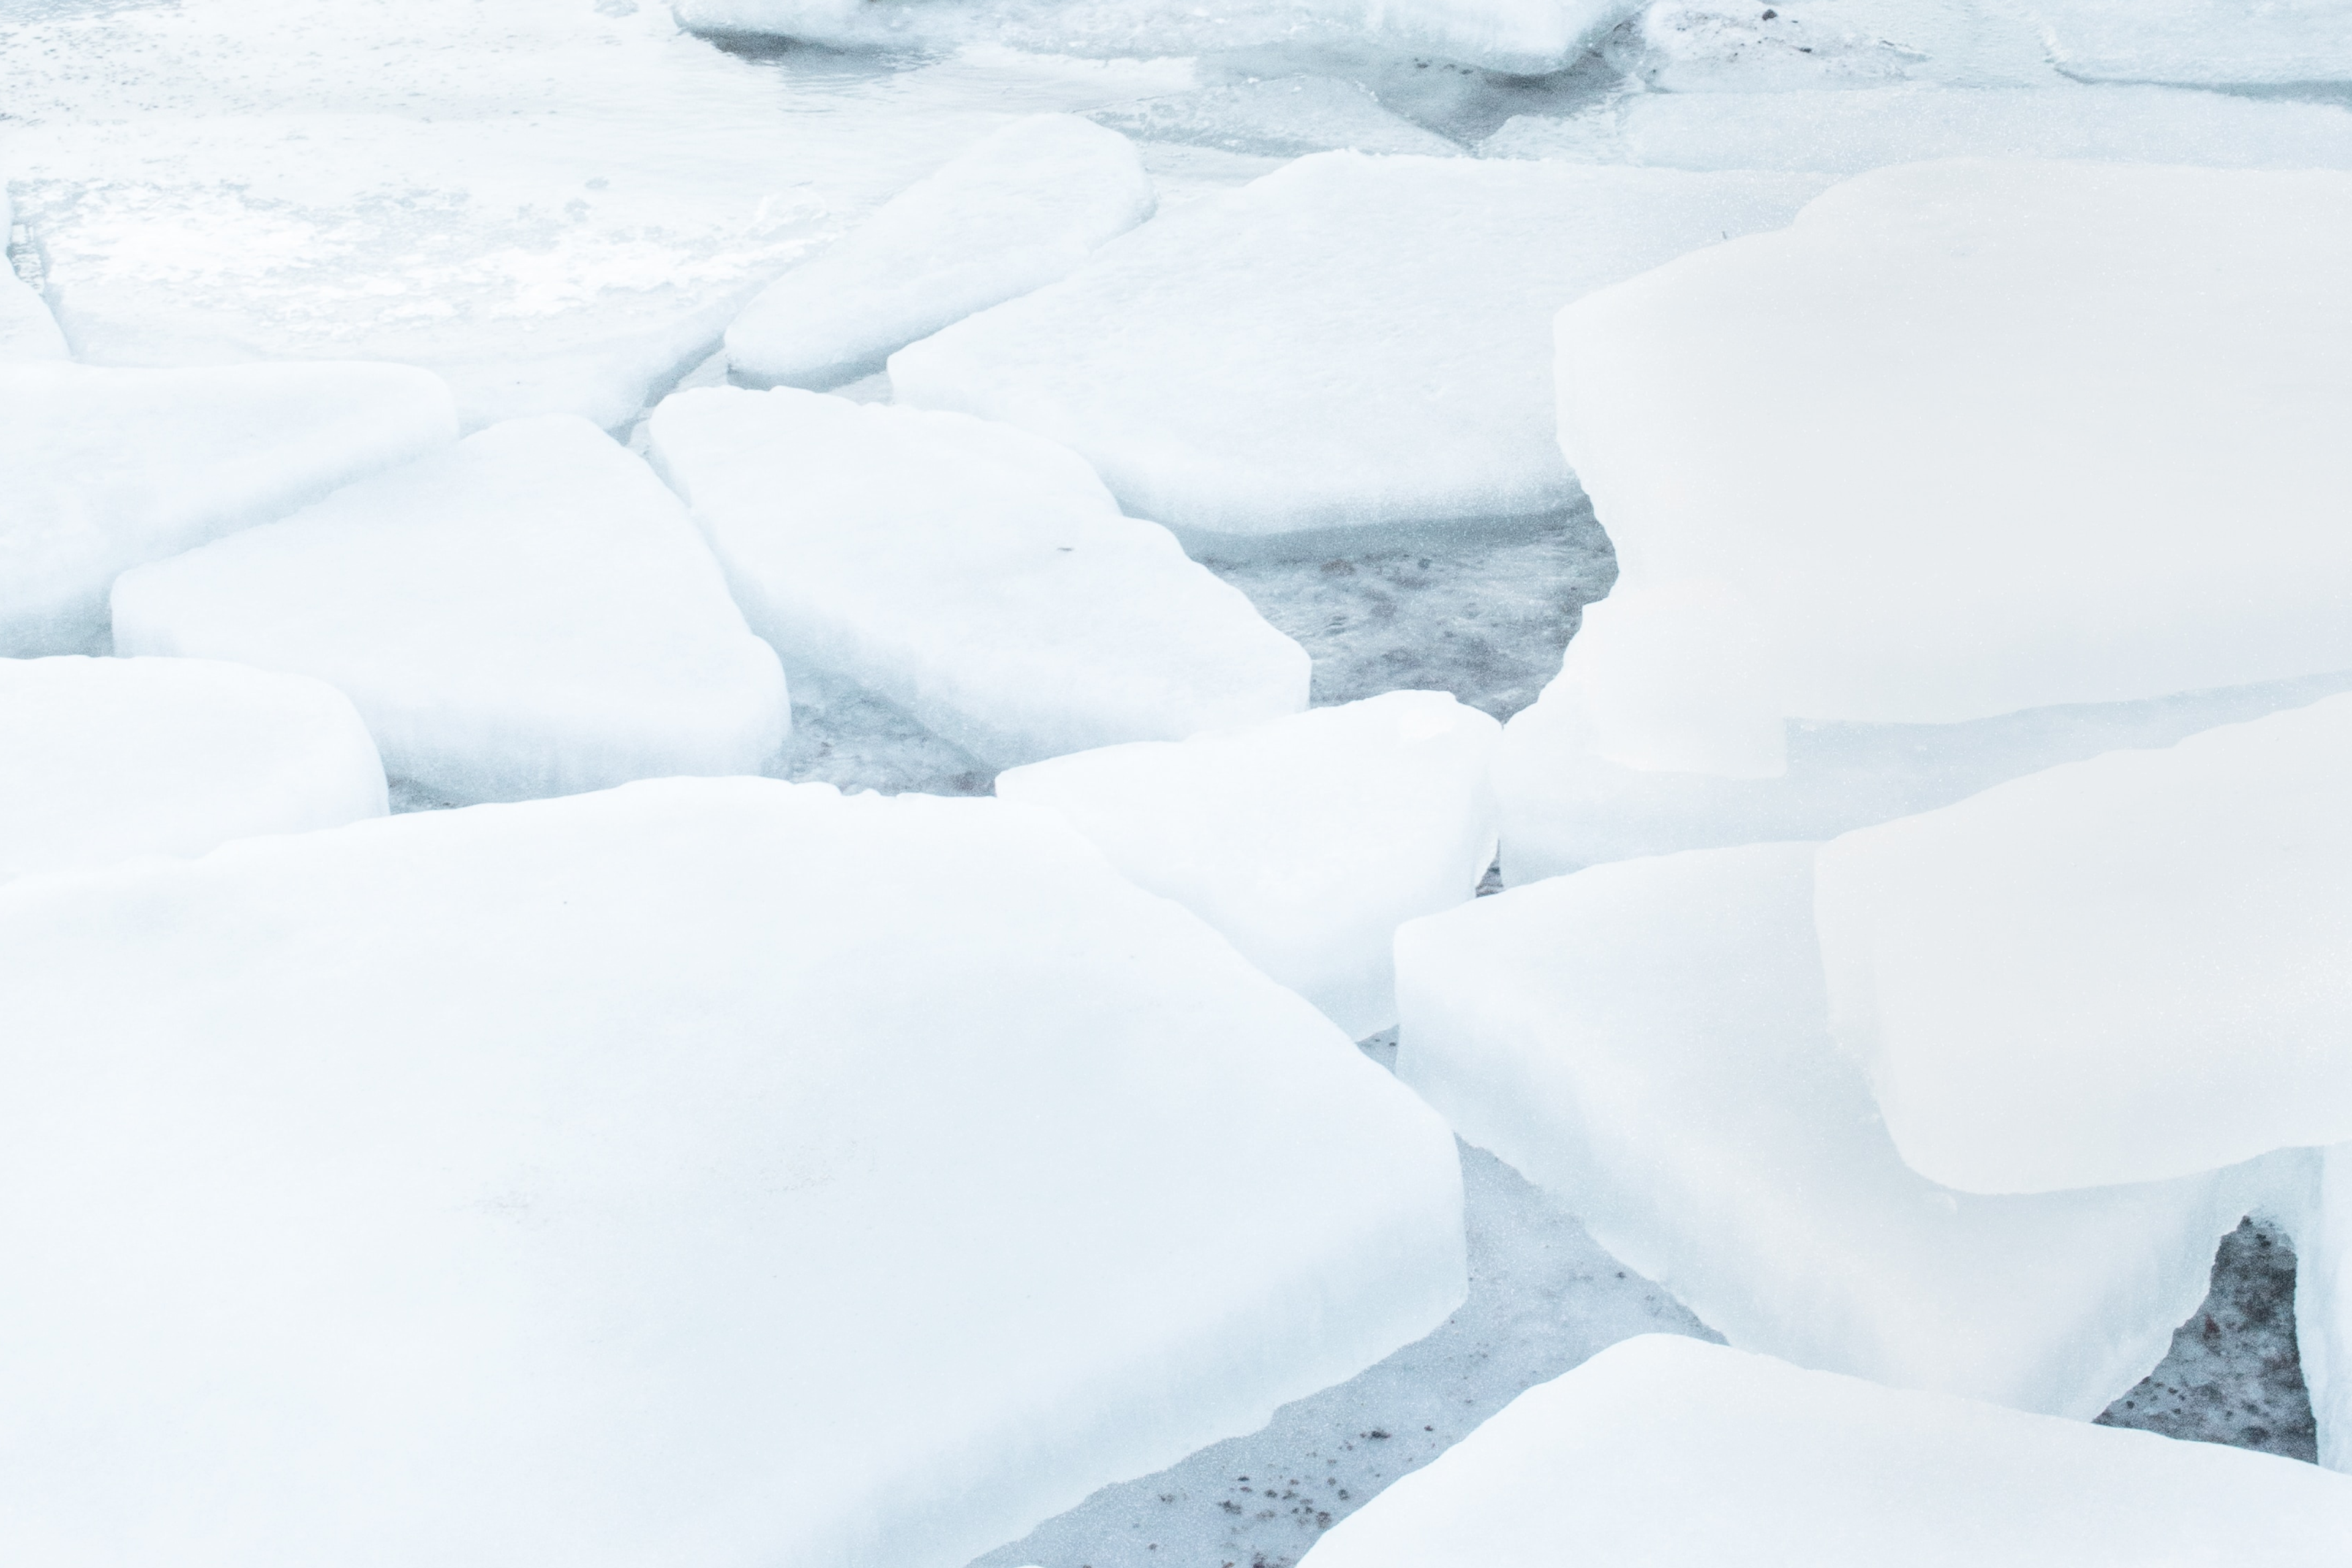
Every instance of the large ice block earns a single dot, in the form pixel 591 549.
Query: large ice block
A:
pixel 101 469
pixel 531 613
pixel 1649 1043
pixel 1920 459
pixel 707 1170
pixel 2114 971
pixel 1674 1452
pixel 27 330
pixel 1349 342
pixel 1022 207
pixel 1305 840
pixel 2322 1304
pixel 103 759
pixel 976 575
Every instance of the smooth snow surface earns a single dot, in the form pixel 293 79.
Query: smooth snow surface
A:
pixel 531 613
pixel 709 1170
pixel 104 759
pixel 1350 341
pixel 978 577
pixel 1671 1453
pixel 1845 132
pixel 101 469
pixel 1021 208
pixel 2272 43
pixel 1305 840
pixel 1649 1043
pixel 2116 971
pixel 1760 455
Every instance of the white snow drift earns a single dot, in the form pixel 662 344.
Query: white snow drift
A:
pixel 1649 1043
pixel 709 1170
pixel 529 614
pixel 1673 1453
pixel 101 469
pixel 1305 840
pixel 1349 340
pixel 1923 458
pixel 102 759
pixel 2122 969
pixel 1021 208
pixel 979 577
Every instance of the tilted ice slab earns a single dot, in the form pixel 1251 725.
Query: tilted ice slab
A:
pixel 2116 971
pixel 1305 840
pixel 1529 37
pixel 709 1170
pixel 2277 43
pixel 103 759
pixel 979 577
pixel 1021 208
pixel 556 205
pixel 531 613
pixel 1349 342
pixel 1674 1452
pixel 27 330
pixel 1847 132
pixel 101 469
pixel 1920 459
pixel 1649 1042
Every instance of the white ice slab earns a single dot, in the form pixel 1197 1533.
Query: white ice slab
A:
pixel 979 577
pixel 2323 1305
pixel 1845 132
pixel 1649 1043
pixel 531 613
pixel 103 759
pixel 27 330
pixel 1674 1452
pixel 101 469
pixel 2016 510
pixel 1020 208
pixel 2266 43
pixel 2114 971
pixel 709 1170
pixel 1305 840
pixel 1349 342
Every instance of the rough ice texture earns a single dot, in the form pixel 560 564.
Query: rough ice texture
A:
pixel 977 576
pixel 712 1171
pixel 1306 840
pixel 1349 342
pixel 2269 43
pixel 1849 131
pixel 1020 208
pixel 104 759
pixel 1649 1043
pixel 531 613
pixel 1513 35
pixel 27 330
pixel 2116 971
pixel 106 469
pixel 1795 541
pixel 1733 46
pixel 1673 1453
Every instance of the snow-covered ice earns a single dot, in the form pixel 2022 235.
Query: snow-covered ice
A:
pixel 101 469
pixel 1649 1043
pixel 2234 42
pixel 1306 840
pixel 1022 207
pixel 530 612
pixel 1349 342
pixel 2141 513
pixel 1847 130
pixel 2114 971
pixel 720 1171
pixel 1735 47
pixel 974 574
pixel 27 330
pixel 1673 1453
pixel 104 759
